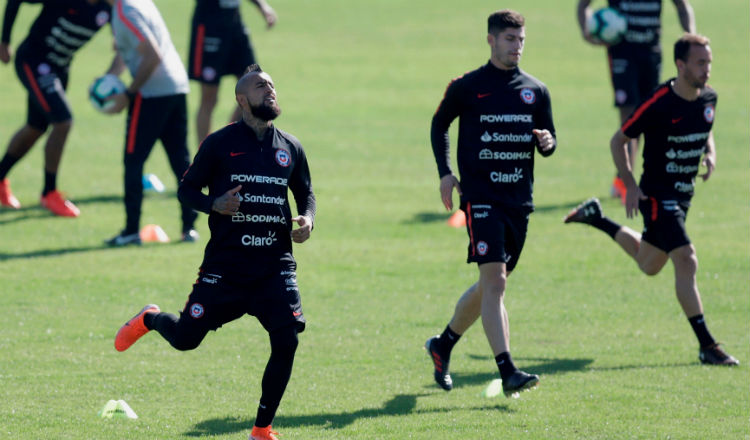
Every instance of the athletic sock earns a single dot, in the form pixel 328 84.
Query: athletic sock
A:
pixel 50 182
pixel 701 331
pixel 6 164
pixel 606 225
pixel 505 364
pixel 447 340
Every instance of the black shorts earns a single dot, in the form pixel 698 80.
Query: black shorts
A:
pixel 218 47
pixel 635 73
pixel 496 233
pixel 273 299
pixel 664 223
pixel 46 84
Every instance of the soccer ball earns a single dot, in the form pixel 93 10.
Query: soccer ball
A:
pixel 607 25
pixel 102 88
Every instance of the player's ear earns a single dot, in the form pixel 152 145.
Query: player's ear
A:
pixel 490 39
pixel 242 101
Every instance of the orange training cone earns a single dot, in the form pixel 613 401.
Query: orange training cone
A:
pixel 457 220
pixel 153 233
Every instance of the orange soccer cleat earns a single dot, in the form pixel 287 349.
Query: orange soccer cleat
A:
pixel 263 433
pixel 6 196
pixel 58 205
pixel 133 329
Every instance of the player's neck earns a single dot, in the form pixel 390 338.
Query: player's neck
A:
pixel 502 66
pixel 685 90
pixel 257 125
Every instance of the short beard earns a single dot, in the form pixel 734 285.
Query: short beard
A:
pixel 266 112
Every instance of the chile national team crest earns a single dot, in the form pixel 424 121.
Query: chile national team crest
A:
pixel 527 95
pixel 196 310
pixel 482 248
pixel 708 113
pixel 283 158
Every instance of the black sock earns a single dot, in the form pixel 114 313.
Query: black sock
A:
pixel 447 340
pixel 505 364
pixel 701 331
pixel 606 225
pixel 50 182
pixel 278 371
pixel 6 164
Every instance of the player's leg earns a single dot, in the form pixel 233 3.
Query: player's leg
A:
pixel 174 139
pixel 276 376
pixel 19 145
pixel 144 124
pixel 209 98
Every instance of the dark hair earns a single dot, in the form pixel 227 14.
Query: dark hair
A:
pixel 682 46
pixel 500 20
pixel 252 68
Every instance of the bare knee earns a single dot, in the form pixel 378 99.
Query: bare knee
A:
pixel 649 268
pixel 685 260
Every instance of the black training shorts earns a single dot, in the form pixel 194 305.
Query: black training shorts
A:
pixel 273 299
pixel 46 84
pixel 634 72
pixel 664 223
pixel 496 233
pixel 218 47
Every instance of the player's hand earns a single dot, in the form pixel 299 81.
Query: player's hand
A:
pixel 228 203
pixel 121 101
pixel 270 16
pixel 709 161
pixel 544 138
pixel 593 40
pixel 447 183
pixel 633 196
pixel 6 53
pixel 301 234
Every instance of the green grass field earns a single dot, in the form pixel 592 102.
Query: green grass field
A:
pixel 359 82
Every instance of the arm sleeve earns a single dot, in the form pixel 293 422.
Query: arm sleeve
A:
pixel 543 119
pixel 197 176
pixel 11 10
pixel 135 23
pixel 301 186
pixel 447 111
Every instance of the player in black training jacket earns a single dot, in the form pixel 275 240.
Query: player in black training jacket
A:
pixel 42 63
pixel 676 122
pixel 635 62
pixel 504 116
pixel 248 267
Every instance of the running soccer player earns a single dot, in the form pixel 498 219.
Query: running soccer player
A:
pixel 248 268
pixel 635 62
pixel 156 104
pixel 504 115
pixel 42 64
pixel 676 123
pixel 220 45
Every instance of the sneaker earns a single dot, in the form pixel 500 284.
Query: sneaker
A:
pixel 58 205
pixel 586 212
pixel 123 239
pixel 6 196
pixel 133 329
pixel 190 236
pixel 618 190
pixel 714 355
pixel 263 433
pixel 519 381
pixel 442 375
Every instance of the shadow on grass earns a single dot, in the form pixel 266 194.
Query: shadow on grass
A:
pixel 400 405
pixel 433 217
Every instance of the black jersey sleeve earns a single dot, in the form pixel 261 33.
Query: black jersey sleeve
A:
pixel 300 184
pixel 11 10
pixel 448 110
pixel 197 176
pixel 543 119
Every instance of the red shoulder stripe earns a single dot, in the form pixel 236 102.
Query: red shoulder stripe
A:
pixel 127 22
pixel 639 111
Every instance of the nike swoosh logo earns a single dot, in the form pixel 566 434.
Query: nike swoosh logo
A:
pixel 483 95
pixel 233 154
pixel 676 120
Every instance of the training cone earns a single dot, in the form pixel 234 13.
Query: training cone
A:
pixel 152 183
pixel 457 220
pixel 117 409
pixel 493 389
pixel 153 234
